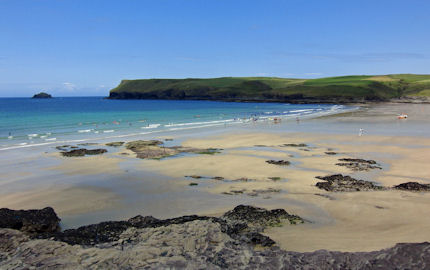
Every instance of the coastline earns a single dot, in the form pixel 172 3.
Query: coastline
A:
pixel 150 187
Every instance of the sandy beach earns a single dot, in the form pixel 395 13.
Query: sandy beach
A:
pixel 119 185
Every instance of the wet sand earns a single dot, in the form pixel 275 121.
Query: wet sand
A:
pixel 121 185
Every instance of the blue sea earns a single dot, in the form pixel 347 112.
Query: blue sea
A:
pixel 26 122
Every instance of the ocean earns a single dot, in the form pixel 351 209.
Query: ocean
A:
pixel 26 122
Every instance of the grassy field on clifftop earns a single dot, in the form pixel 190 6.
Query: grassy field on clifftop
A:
pixel 331 89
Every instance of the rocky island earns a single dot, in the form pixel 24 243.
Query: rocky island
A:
pixel 42 95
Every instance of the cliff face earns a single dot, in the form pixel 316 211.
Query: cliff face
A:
pixel 346 89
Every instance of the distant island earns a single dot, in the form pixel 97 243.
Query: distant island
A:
pixel 344 89
pixel 42 95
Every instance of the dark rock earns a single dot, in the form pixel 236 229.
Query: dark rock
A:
pixel 294 145
pixel 234 192
pixel 140 143
pixel 194 176
pixel 243 179
pixel 357 164
pixel 259 217
pixel 413 186
pixel 218 178
pixel 83 152
pixel 338 182
pixel 278 162
pixel 358 160
pixel 325 196
pixel 154 149
pixel 42 95
pixel 256 192
pixel 193 184
pixel 63 147
pixel 234 223
pixel 115 144
pixel 30 221
pixel 18 251
pixel 87 144
pixel 330 153
pixel 257 239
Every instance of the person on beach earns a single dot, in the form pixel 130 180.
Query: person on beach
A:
pixel 360 132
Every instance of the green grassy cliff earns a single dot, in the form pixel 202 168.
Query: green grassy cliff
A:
pixel 332 89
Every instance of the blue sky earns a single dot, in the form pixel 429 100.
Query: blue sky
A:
pixel 77 48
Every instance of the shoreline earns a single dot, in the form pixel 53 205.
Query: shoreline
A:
pixel 145 186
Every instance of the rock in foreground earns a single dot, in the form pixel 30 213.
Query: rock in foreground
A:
pixel 30 221
pixel 190 242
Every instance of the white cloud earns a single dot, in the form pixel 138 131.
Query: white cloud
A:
pixel 69 86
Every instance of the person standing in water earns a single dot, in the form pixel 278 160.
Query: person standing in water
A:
pixel 360 132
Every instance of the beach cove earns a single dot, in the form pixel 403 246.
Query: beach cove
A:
pixel 117 185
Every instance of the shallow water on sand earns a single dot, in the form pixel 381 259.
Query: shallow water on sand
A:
pixel 131 189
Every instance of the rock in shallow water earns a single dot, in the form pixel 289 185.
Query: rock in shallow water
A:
pixel 413 186
pixel 338 182
pixel 154 149
pixel 278 162
pixel 83 152
pixel 358 164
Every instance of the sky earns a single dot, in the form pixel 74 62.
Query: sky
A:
pixel 85 48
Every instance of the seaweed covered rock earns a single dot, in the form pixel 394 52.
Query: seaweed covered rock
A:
pixel 154 149
pixel 338 182
pixel 83 152
pixel 413 186
pixel 115 144
pixel 278 162
pixel 259 218
pixel 30 221
pixel 294 145
pixel 358 164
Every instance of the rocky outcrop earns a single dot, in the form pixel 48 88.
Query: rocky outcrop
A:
pixel 83 152
pixel 294 145
pixel 413 186
pixel 42 95
pixel 194 242
pixel 340 183
pixel 358 164
pixel 30 221
pixel 115 144
pixel 199 244
pixel 234 223
pixel 278 162
pixel 154 149
pixel 259 218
